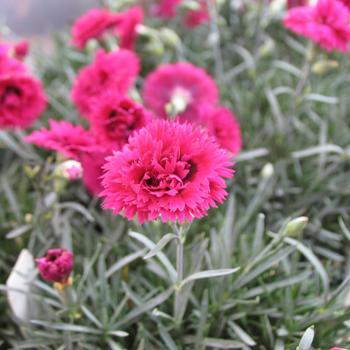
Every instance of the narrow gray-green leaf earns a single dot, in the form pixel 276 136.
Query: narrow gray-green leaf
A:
pixel 208 274
pixel 18 231
pixel 160 245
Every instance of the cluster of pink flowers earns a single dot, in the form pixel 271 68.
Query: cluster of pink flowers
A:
pixel 97 23
pixel 169 9
pixel 327 23
pixel 172 169
pixel 22 98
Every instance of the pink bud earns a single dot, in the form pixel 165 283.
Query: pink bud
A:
pixel 56 266
pixel 296 3
pixel 21 49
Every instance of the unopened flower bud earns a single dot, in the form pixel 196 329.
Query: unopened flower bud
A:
pixel 21 49
pixel 70 169
pixel 56 266
pixel 267 48
pixel 169 37
pixel 296 226
pixel 324 66
pixel 267 171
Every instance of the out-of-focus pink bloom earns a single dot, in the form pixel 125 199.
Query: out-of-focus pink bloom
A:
pixel 181 85
pixel 337 348
pixel 70 169
pixel 296 3
pixel 167 170
pixel 115 71
pixel 22 97
pixel 56 266
pixel 93 163
pixel 223 125
pixel 92 25
pixel 346 3
pixel 165 8
pixel 116 118
pixel 21 49
pixel 64 137
pixel 195 18
pixel 326 23
pixel 127 25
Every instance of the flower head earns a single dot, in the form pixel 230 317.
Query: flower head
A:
pixel 92 25
pixel 223 125
pixel 126 27
pixel 165 8
pixel 180 86
pixel 64 137
pixel 21 49
pixel 296 3
pixel 92 163
pixel 22 98
pixel 195 18
pixel 326 23
pixel 56 266
pixel 167 170
pixel 70 169
pixel 110 71
pixel 115 118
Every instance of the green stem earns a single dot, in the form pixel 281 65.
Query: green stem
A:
pixel 180 274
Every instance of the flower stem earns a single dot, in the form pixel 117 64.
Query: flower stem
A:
pixel 180 274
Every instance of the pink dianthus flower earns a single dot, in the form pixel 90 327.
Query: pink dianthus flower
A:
pixel 180 82
pixel 109 71
pixel 92 25
pixel 22 99
pixel 195 18
pixel 326 23
pixel 56 266
pixel 223 125
pixel 127 25
pixel 65 138
pixel 115 118
pixel 165 8
pixel 167 170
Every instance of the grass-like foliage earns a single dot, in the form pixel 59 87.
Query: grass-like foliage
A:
pixel 285 224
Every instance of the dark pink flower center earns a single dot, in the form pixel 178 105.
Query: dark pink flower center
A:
pixel 168 177
pixel 10 94
pixel 122 121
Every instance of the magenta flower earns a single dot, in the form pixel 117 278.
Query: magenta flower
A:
pixel 92 25
pixel 127 25
pixel 165 8
pixel 110 71
pixel 21 49
pixel 64 137
pixel 167 170
pixel 181 84
pixel 195 18
pixel 326 23
pixel 92 163
pixel 22 97
pixel 116 118
pixel 56 266
pixel 223 125
pixel 346 3
pixel 296 3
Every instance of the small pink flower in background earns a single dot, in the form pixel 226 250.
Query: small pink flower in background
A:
pixel 92 25
pixel 110 71
pixel 165 8
pixel 326 23
pixel 223 125
pixel 296 3
pixel 56 266
pixel 127 25
pixel 116 118
pixel 63 137
pixel 22 97
pixel 21 49
pixel 167 170
pixel 182 84
pixel 337 348
pixel 70 169
pixel 195 18
pixel 8 64
pixel 92 163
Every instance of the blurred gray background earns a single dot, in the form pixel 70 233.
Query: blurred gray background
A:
pixel 37 17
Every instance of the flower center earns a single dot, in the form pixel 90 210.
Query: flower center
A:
pixel 10 93
pixel 168 177
pixel 180 99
